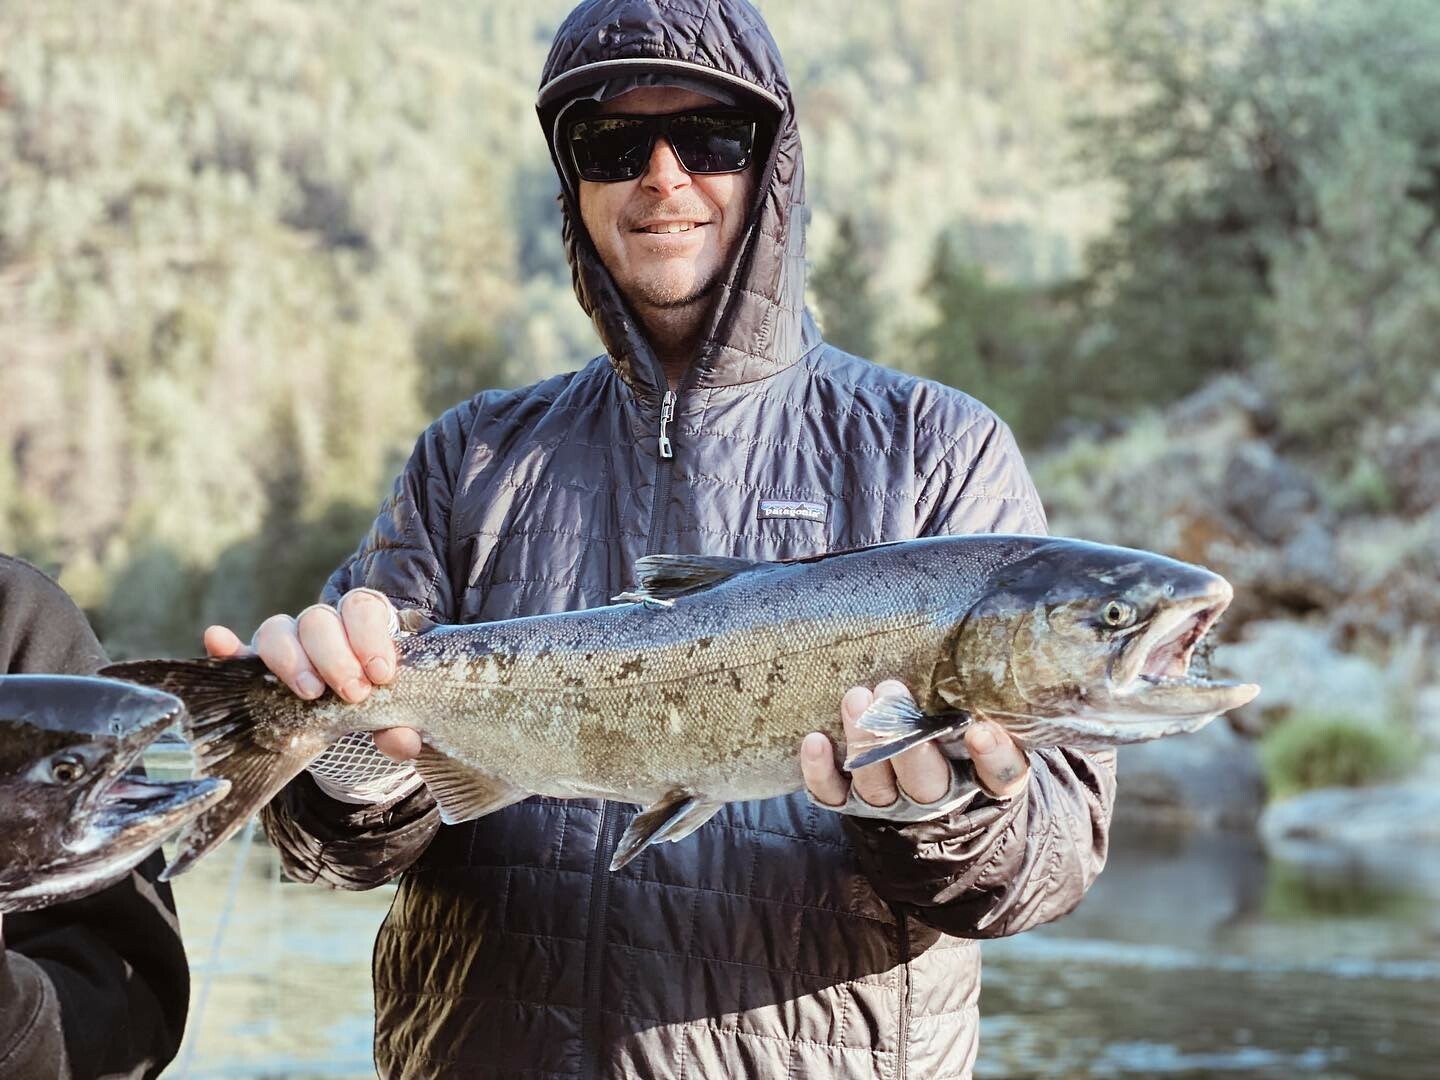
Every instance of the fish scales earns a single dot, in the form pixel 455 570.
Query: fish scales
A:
pixel 714 693
pixel 699 689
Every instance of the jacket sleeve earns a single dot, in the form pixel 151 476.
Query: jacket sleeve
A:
pixel 97 986
pixel 406 555
pixel 994 867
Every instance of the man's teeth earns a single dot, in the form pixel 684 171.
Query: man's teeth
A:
pixel 671 227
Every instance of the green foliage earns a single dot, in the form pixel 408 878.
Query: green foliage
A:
pixel 1243 139
pixel 1004 344
pixel 848 312
pixel 246 251
pixel 458 354
pixel 1315 750
pixel 1356 308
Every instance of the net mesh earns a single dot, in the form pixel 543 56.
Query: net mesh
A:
pixel 352 759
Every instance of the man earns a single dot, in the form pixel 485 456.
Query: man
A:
pixel 782 938
pixel 98 986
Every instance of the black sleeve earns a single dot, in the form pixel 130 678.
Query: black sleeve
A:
pixel 98 986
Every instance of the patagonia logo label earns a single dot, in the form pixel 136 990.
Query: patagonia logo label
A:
pixel 792 508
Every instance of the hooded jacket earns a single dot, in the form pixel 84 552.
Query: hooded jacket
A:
pixel 780 939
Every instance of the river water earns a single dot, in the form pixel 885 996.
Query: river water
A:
pixel 1193 956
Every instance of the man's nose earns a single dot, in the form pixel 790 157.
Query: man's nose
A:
pixel 664 173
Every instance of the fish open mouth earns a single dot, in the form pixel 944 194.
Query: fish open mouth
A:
pixel 161 803
pixel 127 806
pixel 1153 674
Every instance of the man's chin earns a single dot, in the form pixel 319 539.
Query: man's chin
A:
pixel 671 294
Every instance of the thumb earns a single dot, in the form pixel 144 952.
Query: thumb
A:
pixel 221 643
pixel 1001 766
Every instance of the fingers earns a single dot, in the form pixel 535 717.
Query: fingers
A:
pixel 1001 767
pixel 322 637
pixel 874 783
pixel 221 643
pixel 822 776
pixel 349 649
pixel 368 617
pixel 278 644
pixel 403 743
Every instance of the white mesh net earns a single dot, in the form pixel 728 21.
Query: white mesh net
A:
pixel 353 761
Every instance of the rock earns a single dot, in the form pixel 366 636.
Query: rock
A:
pixel 1209 779
pixel 1267 493
pixel 1365 817
pixel 1230 404
pixel 1406 455
pixel 1298 668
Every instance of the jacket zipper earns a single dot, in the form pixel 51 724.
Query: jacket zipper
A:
pixel 595 945
pixel 667 414
pixel 604 848
pixel 902 1053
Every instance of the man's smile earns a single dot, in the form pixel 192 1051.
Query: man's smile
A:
pixel 670 226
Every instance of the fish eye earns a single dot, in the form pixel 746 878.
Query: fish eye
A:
pixel 1117 614
pixel 67 768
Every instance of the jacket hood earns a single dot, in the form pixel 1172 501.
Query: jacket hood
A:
pixel 723 48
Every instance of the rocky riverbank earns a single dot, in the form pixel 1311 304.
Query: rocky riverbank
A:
pixel 1337 611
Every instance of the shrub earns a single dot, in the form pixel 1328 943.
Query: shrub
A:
pixel 1316 750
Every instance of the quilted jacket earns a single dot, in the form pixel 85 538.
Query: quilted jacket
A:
pixel 780 940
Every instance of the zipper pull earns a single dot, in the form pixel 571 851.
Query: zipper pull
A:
pixel 667 413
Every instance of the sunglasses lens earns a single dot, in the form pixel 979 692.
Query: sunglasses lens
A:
pixel 610 148
pixel 712 144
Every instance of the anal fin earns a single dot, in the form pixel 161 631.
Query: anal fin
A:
pixel 676 815
pixel 892 725
pixel 462 793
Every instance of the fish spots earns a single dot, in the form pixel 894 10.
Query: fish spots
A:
pixel 632 668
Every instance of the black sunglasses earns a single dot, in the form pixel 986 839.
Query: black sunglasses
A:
pixel 610 148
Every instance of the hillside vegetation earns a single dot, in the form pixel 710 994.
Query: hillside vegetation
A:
pixel 247 250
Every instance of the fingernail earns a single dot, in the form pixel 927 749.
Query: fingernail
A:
pixel 378 670
pixel 309 686
pixel 983 741
pixel 353 691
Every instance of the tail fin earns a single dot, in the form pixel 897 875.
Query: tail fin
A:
pixel 244 726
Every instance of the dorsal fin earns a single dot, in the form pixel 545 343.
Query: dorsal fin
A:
pixel 412 621
pixel 664 577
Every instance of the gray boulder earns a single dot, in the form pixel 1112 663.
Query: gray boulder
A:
pixel 1210 779
pixel 1299 668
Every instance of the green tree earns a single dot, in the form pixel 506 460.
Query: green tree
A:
pixel 1231 116
pixel 1356 308
pixel 1004 344
pixel 849 312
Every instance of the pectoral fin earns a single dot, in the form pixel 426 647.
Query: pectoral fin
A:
pixel 461 792
pixel 674 817
pixel 892 725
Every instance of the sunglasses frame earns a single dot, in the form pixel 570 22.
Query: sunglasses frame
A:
pixel 657 126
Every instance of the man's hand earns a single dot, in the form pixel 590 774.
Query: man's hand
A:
pixel 347 648
pixel 922 772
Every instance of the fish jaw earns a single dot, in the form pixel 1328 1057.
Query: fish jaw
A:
pixel 1152 675
pixel 1151 691
pixel 134 811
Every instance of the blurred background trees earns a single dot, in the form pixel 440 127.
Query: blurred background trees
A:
pixel 247 251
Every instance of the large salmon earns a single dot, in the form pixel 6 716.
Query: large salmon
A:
pixel 699 687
